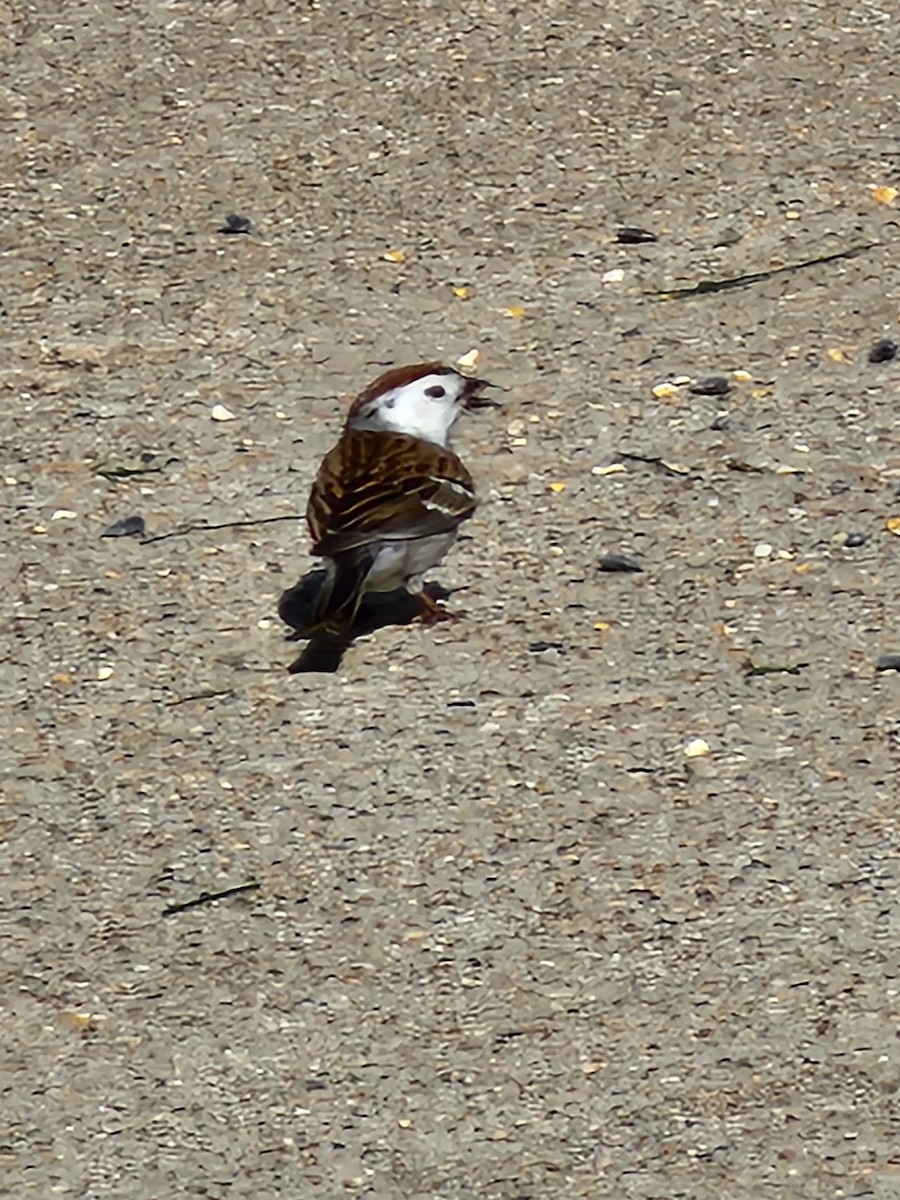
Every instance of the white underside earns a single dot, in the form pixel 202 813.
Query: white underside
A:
pixel 403 564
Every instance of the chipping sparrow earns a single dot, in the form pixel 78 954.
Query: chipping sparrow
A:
pixel 390 496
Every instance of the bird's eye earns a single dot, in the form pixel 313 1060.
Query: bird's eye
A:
pixel 436 392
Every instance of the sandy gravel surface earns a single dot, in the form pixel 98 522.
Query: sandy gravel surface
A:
pixel 593 893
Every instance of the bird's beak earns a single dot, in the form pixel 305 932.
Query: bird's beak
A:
pixel 472 398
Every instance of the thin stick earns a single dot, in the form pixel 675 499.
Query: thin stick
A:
pixel 161 537
pixel 208 897
pixel 721 285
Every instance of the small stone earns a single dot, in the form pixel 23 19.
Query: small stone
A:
pixel 884 194
pixel 540 647
pixel 221 413
pixel 64 514
pixel 236 224
pixel 126 527
pixel 763 550
pixel 104 673
pixel 616 275
pixel 741 376
pixel 697 748
pixel 619 562
pixel 883 351
pixel 632 235
pixel 852 540
pixel 888 662
pixel 612 469
pixel 665 391
pixel 711 385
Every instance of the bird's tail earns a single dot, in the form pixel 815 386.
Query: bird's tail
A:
pixel 330 631
pixel 339 599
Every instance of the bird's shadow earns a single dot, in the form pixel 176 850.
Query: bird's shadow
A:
pixel 323 652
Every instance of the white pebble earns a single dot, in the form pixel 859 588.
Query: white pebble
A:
pixel 696 748
pixel 221 413
pixel 763 550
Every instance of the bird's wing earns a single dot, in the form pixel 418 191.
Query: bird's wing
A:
pixel 377 486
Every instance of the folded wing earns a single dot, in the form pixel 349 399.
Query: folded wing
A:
pixel 376 486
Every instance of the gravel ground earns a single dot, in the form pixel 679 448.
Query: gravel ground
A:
pixel 589 894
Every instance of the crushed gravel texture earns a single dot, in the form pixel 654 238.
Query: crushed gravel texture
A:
pixel 592 893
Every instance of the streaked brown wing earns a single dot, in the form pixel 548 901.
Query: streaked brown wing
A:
pixel 374 486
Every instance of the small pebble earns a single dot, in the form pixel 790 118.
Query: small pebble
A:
pixel 852 540
pixel 722 421
pixel 883 351
pixel 697 748
pixel 711 385
pixel 616 275
pixel 619 562
pixel 126 527
pixel 631 235
pixel 664 391
pixel 236 224
pixel 763 550
pixel 540 647
pixel 221 413
pixel 888 662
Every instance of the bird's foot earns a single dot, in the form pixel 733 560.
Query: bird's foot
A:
pixel 433 614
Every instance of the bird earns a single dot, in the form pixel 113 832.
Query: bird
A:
pixel 390 496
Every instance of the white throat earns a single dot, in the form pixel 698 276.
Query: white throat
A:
pixel 388 421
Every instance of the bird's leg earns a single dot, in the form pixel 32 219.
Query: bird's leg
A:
pixel 432 612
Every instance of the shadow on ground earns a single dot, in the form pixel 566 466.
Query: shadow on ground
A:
pixel 323 653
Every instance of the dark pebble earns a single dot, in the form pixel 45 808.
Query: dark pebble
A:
pixel 722 421
pixel 619 562
pixel 712 385
pixel 540 647
pixel 236 224
pixel 883 351
pixel 126 527
pixel 631 235
pixel 855 539
pixel 888 662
